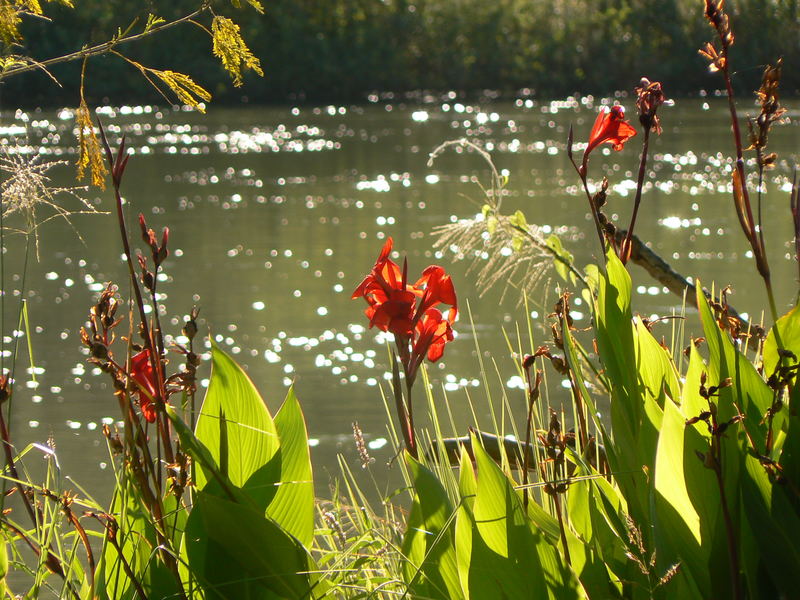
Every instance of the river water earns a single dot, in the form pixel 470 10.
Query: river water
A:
pixel 275 215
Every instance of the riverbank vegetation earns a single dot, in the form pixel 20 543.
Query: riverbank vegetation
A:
pixel 687 486
pixel 343 51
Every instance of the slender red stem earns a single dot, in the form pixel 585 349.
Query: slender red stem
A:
pixel 557 502
pixel 733 552
pixel 626 246
pixel 581 171
pixel 752 237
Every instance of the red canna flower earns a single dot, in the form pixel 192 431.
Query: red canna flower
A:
pixel 609 127
pixel 407 310
pixel 391 300
pixel 433 332
pixel 142 374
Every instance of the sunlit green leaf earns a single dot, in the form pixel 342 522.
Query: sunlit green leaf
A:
pixel 251 434
pixel 679 522
pixel 430 568
pixel 748 391
pixel 138 542
pixel 292 507
pixel 465 522
pixel 510 558
pixel 775 522
pixel 656 369
pixel 788 326
pixel 3 568
pixel 554 243
pixel 596 515
pixel 617 347
pixel 692 403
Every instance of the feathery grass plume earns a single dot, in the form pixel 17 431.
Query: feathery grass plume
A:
pixel 336 528
pixel 230 48
pixel 634 534
pixel 502 248
pixel 89 153
pixel 669 574
pixel 26 188
pixel 486 242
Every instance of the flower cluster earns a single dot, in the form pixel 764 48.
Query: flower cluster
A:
pixel 649 96
pixel 409 310
pixel 410 313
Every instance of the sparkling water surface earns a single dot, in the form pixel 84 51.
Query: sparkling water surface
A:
pixel 275 215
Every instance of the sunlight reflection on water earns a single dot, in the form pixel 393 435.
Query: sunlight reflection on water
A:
pixel 276 215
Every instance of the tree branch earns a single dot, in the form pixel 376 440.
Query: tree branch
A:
pixel 99 48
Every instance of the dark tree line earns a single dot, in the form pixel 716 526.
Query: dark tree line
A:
pixel 330 51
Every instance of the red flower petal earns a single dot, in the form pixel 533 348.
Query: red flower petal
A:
pixel 395 314
pixel 439 287
pixel 148 409
pixel 142 371
pixel 433 332
pixel 393 305
pixel 380 263
pixel 610 127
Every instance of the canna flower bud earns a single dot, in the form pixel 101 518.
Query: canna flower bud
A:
pixel 162 253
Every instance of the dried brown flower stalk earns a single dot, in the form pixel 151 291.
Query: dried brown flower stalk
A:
pixel 771 112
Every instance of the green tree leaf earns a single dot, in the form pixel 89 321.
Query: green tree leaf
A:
pixel 518 220
pixel 554 243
